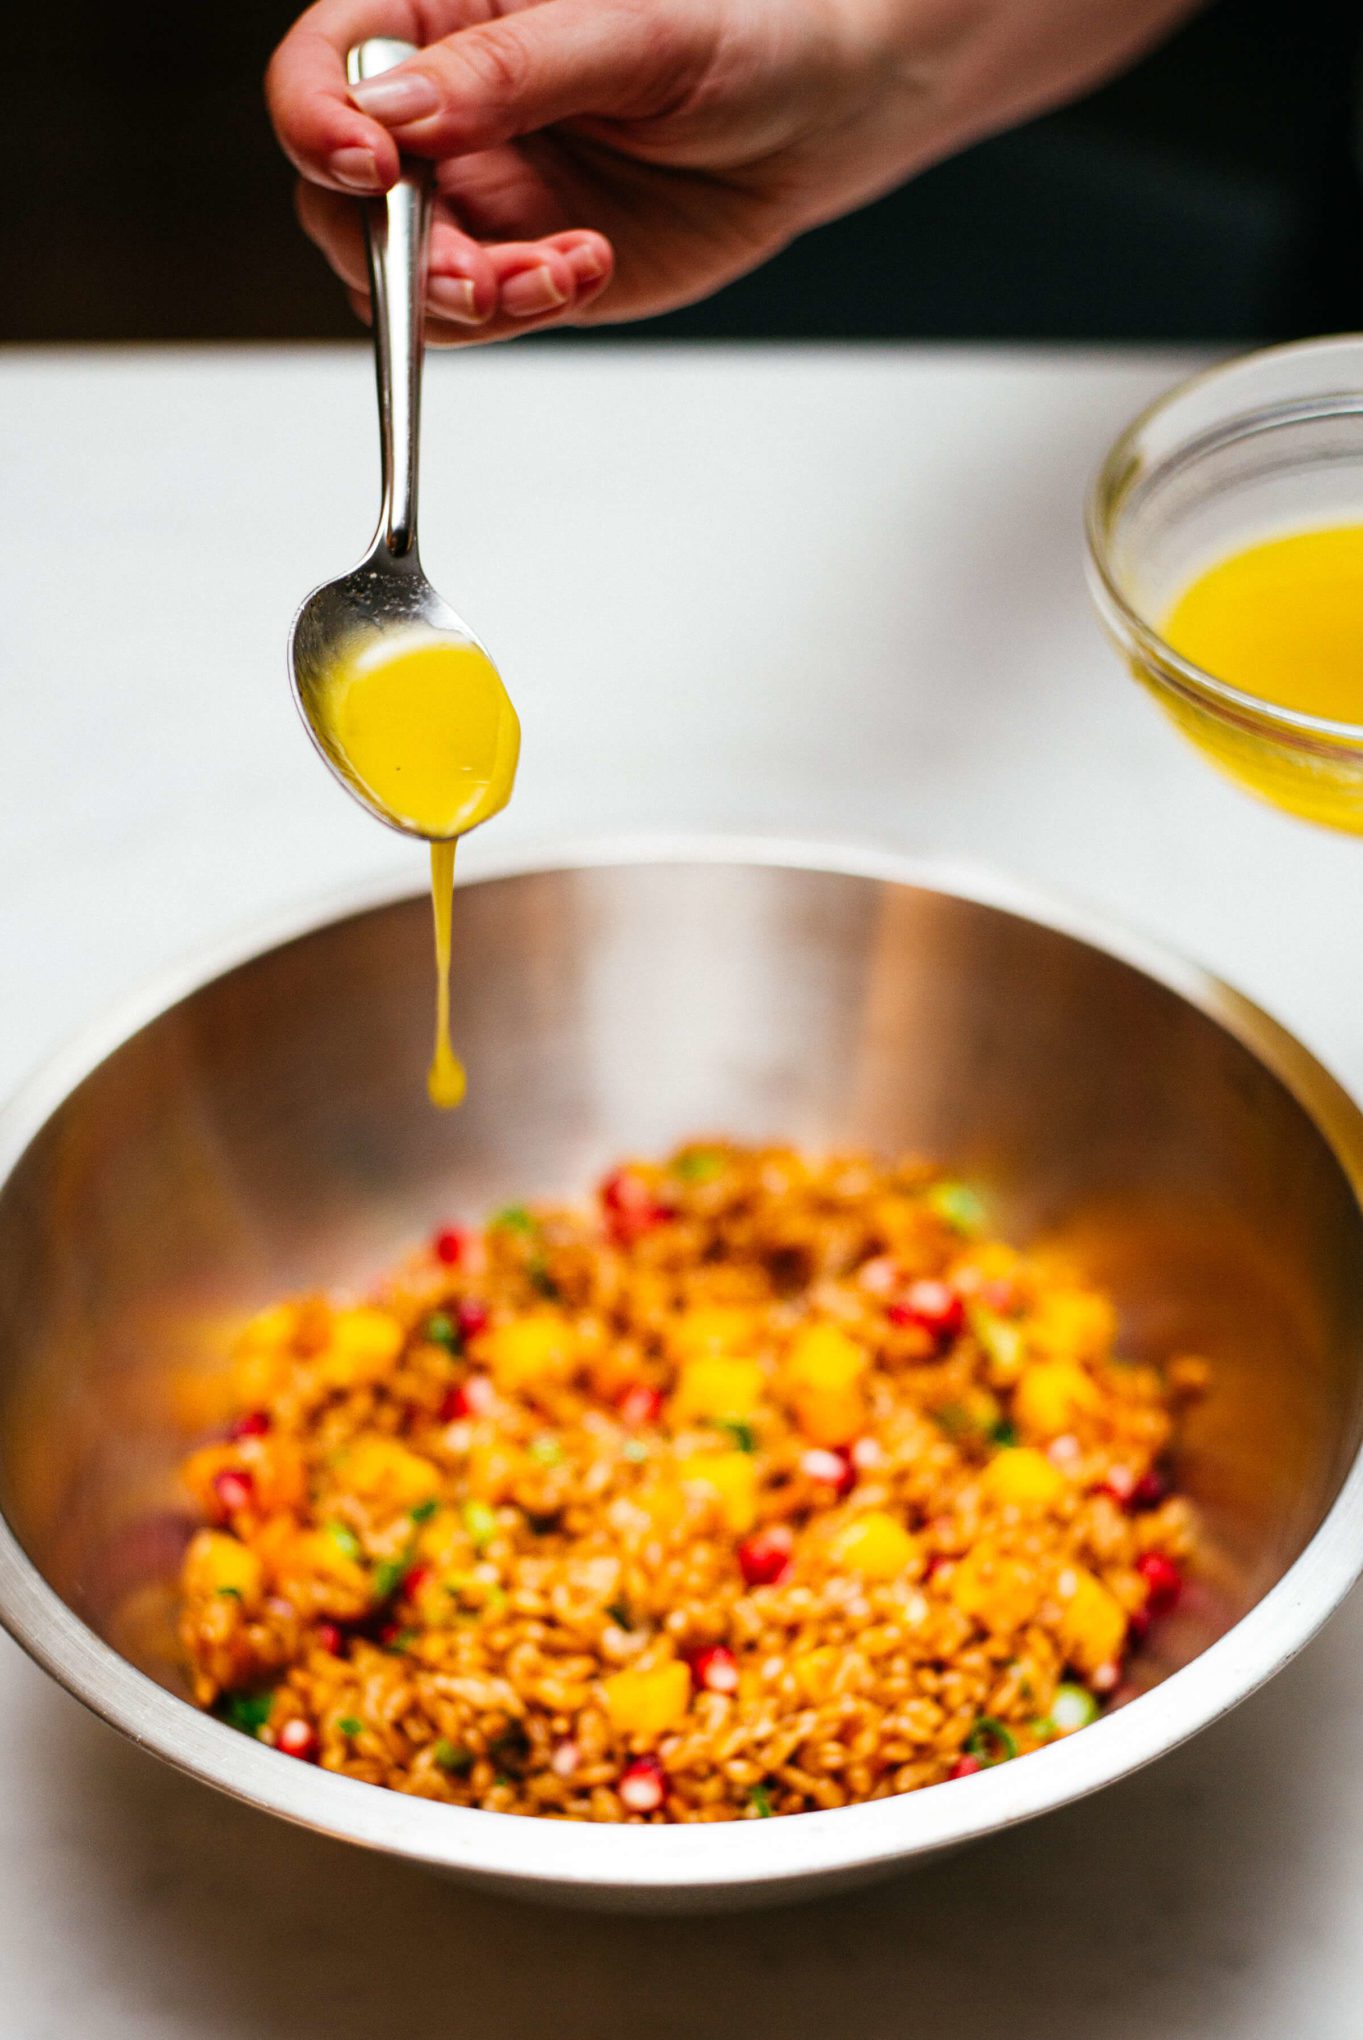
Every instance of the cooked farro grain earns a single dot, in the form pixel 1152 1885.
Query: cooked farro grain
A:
pixel 766 1483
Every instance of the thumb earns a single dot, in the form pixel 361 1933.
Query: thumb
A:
pixel 485 85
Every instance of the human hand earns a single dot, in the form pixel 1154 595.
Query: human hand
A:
pixel 607 159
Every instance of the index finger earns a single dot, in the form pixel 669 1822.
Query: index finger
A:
pixel 308 94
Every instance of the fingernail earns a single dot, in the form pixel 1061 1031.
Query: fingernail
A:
pixel 357 169
pixel 397 97
pixel 454 297
pixel 586 264
pixel 533 290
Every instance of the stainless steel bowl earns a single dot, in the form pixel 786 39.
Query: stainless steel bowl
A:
pixel 264 1126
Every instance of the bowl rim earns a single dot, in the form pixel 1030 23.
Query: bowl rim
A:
pixel 1132 631
pixel 590 1863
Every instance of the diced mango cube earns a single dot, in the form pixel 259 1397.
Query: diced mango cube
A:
pixel 1093 1623
pixel 525 1350
pixel 814 1672
pixel 733 1477
pixel 830 1416
pixel 270 1330
pixel 1051 1396
pixel 998 1592
pixel 876 1546
pixel 712 1385
pixel 1023 1478
pixel 1073 1324
pixel 218 1564
pixel 823 1357
pixel 388 1473
pixel 361 1347
pixel 646 1704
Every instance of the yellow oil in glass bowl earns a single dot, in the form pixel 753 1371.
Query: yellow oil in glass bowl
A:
pixel 1225 536
pixel 1280 620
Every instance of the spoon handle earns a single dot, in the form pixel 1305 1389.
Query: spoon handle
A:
pixel 396 237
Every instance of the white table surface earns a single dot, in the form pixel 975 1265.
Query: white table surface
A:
pixel 835 592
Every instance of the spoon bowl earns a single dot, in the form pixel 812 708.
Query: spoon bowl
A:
pixel 386 604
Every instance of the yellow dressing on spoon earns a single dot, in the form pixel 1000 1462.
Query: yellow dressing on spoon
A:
pixel 425 728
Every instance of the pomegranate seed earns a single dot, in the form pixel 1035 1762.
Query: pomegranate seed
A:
pixel 936 1560
pixel 564 1760
pixel 1120 1485
pixel 331 1637
pixel 298 1738
pixel 832 1469
pixel 643 1785
pixel 471 1317
pixel 1149 1491
pixel 415 1579
pixel 933 1306
pixel 715 1670
pixel 965 1767
pixel 639 1404
pixel 1163 1581
pixel 472 1397
pixel 253 1425
pixel 389 1632
pixel 764 1557
pixel 234 1490
pixel 1138 1625
pixel 631 1207
pixel 448 1246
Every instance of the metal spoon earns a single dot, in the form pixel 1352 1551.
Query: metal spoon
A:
pixel 387 592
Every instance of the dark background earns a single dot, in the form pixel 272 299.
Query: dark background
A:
pixel 1212 193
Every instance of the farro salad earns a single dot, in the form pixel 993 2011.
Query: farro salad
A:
pixel 759 1483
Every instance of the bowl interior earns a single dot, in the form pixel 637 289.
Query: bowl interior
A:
pixel 271 1132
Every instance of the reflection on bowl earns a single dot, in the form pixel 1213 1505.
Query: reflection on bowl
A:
pixel 268 1131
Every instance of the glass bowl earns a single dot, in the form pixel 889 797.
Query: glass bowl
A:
pixel 1264 445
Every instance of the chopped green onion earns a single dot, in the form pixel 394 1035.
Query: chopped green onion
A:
pixel 494 1599
pixel 991 1742
pixel 443 1331
pixel 348 1725
pixel 388 1575
pixel 739 1430
pixel 229 1593
pixel 404 1640
pixel 959 1205
pixel 1000 1337
pixel 453 1757
pixel 247 1711
pixel 480 1523
pixel 760 1800
pixel 698 1165
pixel 1004 1432
pixel 543 1281
pixel 517 1219
pixel 546 1449
pixel 424 1511
pixel 621 1614
pixel 1073 1707
pixel 345 1540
